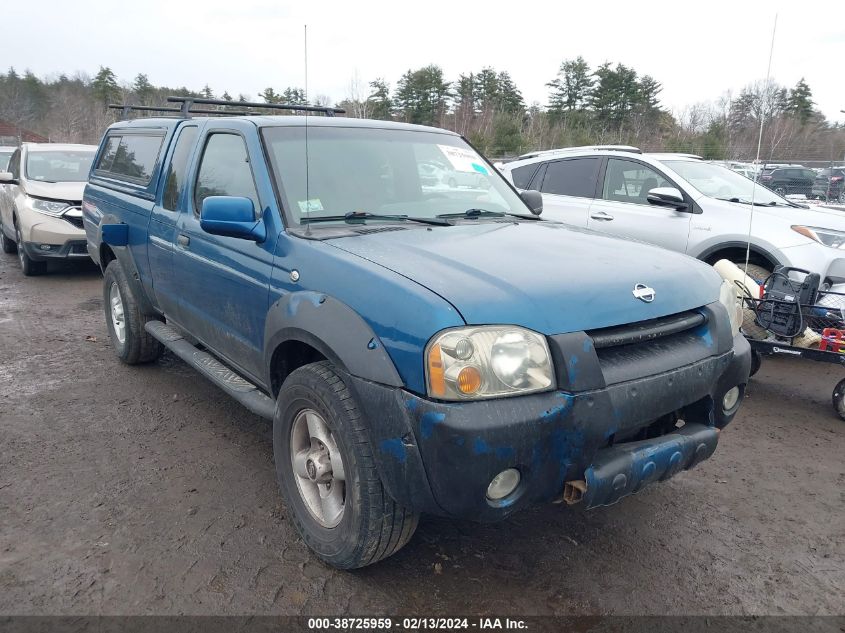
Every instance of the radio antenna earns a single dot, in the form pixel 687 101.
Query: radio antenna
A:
pixel 760 142
pixel 307 193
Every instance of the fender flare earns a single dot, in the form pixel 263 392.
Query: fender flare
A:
pixel 332 328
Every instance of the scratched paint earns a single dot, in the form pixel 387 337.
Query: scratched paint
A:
pixel 428 421
pixel 573 368
pixel 555 412
pixel 396 448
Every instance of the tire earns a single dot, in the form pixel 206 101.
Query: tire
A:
pixel 6 244
pixel 370 526
pixel 131 342
pixel 839 399
pixel 842 197
pixel 29 266
pixel 780 190
pixel 756 362
pixel 756 272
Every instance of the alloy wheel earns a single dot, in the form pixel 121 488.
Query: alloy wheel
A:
pixel 118 317
pixel 318 468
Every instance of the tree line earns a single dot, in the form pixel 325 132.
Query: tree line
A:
pixel 609 104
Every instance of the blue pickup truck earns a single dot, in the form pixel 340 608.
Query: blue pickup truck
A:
pixel 420 348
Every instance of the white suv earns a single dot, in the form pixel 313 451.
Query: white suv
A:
pixel 684 204
pixel 41 203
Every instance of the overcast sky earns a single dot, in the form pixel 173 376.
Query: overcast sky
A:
pixel 697 49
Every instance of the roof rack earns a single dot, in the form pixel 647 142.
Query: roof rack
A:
pixel 583 148
pixel 127 109
pixel 186 109
pixel 188 102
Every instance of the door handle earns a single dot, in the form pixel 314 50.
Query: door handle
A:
pixel 601 216
pixel 183 240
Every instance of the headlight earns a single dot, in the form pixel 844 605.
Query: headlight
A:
pixel 828 237
pixel 49 207
pixel 728 298
pixel 487 362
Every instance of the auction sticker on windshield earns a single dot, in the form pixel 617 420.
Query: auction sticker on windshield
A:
pixel 463 159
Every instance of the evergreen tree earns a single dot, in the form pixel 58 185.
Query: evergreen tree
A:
pixel 423 95
pixel 105 86
pixel 799 104
pixel 510 97
pixel 270 96
pixel 382 104
pixel 572 88
pixel 293 96
pixel 206 92
pixel 226 96
pixel 143 88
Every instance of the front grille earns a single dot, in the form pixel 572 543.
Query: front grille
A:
pixel 646 330
pixel 77 222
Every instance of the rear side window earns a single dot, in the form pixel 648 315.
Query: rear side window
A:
pixel 225 170
pixel 522 175
pixel 573 177
pixel 130 157
pixel 175 184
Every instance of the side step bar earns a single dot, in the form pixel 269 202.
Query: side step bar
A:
pixel 241 390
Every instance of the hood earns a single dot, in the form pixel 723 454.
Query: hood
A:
pixel 820 217
pixel 541 275
pixel 70 191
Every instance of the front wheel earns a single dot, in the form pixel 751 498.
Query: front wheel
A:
pixel 756 362
pixel 325 468
pixel 29 266
pixel 6 244
pixel 781 191
pixel 839 398
pixel 125 322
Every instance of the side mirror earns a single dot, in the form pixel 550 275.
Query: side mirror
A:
pixel 667 197
pixel 6 178
pixel 231 216
pixel 534 200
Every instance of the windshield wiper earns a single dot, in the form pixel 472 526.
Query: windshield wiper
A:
pixel 477 213
pixel 773 203
pixel 355 217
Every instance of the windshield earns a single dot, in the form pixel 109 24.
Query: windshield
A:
pixel 720 182
pixel 59 166
pixel 383 172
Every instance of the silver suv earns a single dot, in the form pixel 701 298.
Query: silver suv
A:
pixel 685 204
pixel 41 203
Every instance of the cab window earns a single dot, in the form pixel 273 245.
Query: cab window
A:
pixel 225 171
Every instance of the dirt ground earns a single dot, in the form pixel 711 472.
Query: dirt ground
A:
pixel 146 490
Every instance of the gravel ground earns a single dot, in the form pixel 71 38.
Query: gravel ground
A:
pixel 141 490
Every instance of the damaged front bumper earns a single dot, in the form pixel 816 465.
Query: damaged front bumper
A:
pixel 439 458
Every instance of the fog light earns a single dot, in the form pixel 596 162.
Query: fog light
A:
pixel 45 247
pixel 730 399
pixel 503 484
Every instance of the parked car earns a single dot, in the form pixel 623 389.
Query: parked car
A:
pixel 435 173
pixel 445 351
pixel 686 205
pixel 5 154
pixel 785 181
pixel 40 206
pixel 828 185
